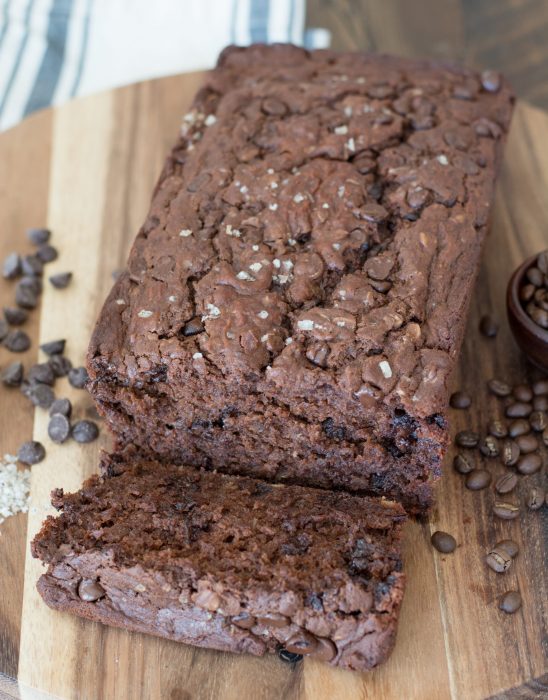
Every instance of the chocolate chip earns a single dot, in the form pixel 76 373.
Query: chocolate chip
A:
pixel 60 365
pixel 273 107
pixel 61 280
pixel 90 590
pixel 506 483
pixel 510 602
pixel 34 283
pixel 32 265
pixel 58 428
pixel 499 388
pixel 244 620
pixel 13 374
pixel 31 452
pixel 535 498
pixel 466 438
pixel 78 377
pixel 38 236
pixel 85 431
pixel 527 443
pixel 443 542
pixel 273 620
pixel 518 410
pixel 288 657
pixel 302 643
pixel 325 651
pixel 499 560
pixel 529 464
pixel 478 479
pixel 12 266
pixel 47 253
pixel 491 80
pixel 497 429
pixel 53 347
pixel 463 464
pixel 489 446
pixel 381 286
pixel 14 316
pixel 25 296
pixel 41 395
pixel 460 400
pixel 193 327
pixel 510 453
pixel 538 421
pixel 61 406
pixel 4 329
pixel 518 427
pixel 509 546
pixel 17 341
pixel 375 213
pixel 41 374
pixel 488 326
pixel 505 511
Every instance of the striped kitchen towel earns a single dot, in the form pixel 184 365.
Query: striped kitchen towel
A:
pixel 53 50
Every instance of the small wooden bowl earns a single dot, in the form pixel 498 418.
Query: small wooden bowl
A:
pixel 531 338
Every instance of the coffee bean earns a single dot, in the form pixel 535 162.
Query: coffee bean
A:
pixel 90 590
pixel 301 643
pixel 32 265
pixel 61 280
pixel 534 275
pixel 540 403
pixel 31 452
pixel 85 431
pixel 518 410
pixel 518 427
pixel 60 365
pixel 527 292
pixel 497 429
pixel 47 253
pixel 499 388
pixel 539 316
pixel 529 464
pixel 13 374
pixel 488 326
pixel 466 438
pixel 193 327
pixel 61 406
pixel 38 236
pixel 15 316
pixel 540 387
pixel 498 560
pixel 506 483
pixel 527 444
pixel 17 341
pixel 4 329
pixel 535 498
pixel 12 266
pixel 509 546
pixel 287 657
pixel 509 453
pixel 462 464
pixel 25 296
pixel 459 400
pixel 491 80
pixel 523 393
pixel 58 428
pixel 53 347
pixel 538 421
pixel 489 446
pixel 41 374
pixel 478 479
pixel 510 602
pixel 41 395
pixel 443 542
pixel 78 377
pixel 505 511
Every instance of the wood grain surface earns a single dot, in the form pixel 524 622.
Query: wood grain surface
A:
pixel 87 170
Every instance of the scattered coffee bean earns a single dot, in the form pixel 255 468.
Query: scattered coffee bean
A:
pixel 499 388
pixel 25 296
pixel 13 374
pixel 518 427
pixel 478 479
pixel 510 602
pixel 467 438
pixel 58 428
pixel 463 464
pixel 519 410
pixel 540 403
pixel 41 395
pixel 534 275
pixel 529 464
pixel 90 590
pixel 510 453
pixel 460 400
pixel 498 429
pixel 38 236
pixel 538 421
pixel 523 393
pixel 85 431
pixel 32 265
pixel 535 498
pixel 527 444
pixel 61 280
pixel 499 560
pixel 509 546
pixel 12 266
pixel 288 657
pixel 505 511
pixel 47 253
pixel 443 542
pixel 17 341
pixel 542 262
pixel 506 483
pixel 61 406
pixel 41 374
pixel 489 446
pixel 540 387
pixel 60 365
pixel 54 347
pixel 78 377
pixel 15 316
pixel 4 329
pixel 536 303
pixel 31 452
pixel 489 326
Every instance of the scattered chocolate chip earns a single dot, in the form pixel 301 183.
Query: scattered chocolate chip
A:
pixel 41 373
pixel 497 429
pixel 510 453
pixel 505 511
pixel 85 431
pixel 90 591
pixel 60 365
pixel 460 400
pixel 34 283
pixel 47 253
pixel 499 560
pixel 489 446
pixel 529 464
pixel 288 657
pixel 61 280
pixel 15 316
pixel 32 265
pixel 13 374
pixel 58 428
pixel 193 327
pixel 478 479
pixel 463 464
pixel 506 483
pixel 244 620
pixel 53 347
pixel 12 266
pixel 38 236
pixel 61 406
pixel 510 602
pixel 4 329
pixel 78 377
pixel 17 341
pixel 31 452
pixel 535 498
pixel 499 388
pixel 25 296
pixel 518 410
pixel 41 395
pixel 509 546
pixel 443 542
pixel 488 326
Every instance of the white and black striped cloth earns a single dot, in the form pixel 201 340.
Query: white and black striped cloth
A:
pixel 53 50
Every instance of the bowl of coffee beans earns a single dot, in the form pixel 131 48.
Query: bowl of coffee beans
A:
pixel 527 305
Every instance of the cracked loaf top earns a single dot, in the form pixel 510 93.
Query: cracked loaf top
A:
pixel 318 223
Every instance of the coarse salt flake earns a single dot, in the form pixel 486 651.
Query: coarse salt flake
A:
pixel 341 191
pixel 243 189
pixel 351 145
pixel 144 313
pixel 255 267
pixel 273 207
pixel 120 301
pixel 288 341
pixel 325 205
pixel 270 171
pixel 264 338
pixel 243 275
pixel 385 369
pixel 263 314
pixel 212 312
pixel 276 263
pixel 255 247
pixel 348 111
pixel 172 298
pixel 185 233
pixel 341 324
pixel 210 120
pixel 336 246
pixel 197 356
pixel 442 159
pixel 274 185
pixel 232 231
pixel 341 130
pixel 298 198
pixel 305 325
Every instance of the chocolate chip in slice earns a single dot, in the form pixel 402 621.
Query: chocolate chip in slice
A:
pixel 460 400
pixel 12 266
pixel 38 236
pixel 78 377
pixel 60 365
pixel 443 542
pixel 13 374
pixel 53 347
pixel 90 590
pixel 31 452
pixel 510 602
pixel 58 428
pixel 193 327
pixel 47 253
pixel 17 341
pixel 15 316
pixel 61 406
pixel 61 280
pixel 85 431
pixel 488 326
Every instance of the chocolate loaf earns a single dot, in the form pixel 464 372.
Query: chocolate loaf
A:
pixel 294 304
pixel 227 562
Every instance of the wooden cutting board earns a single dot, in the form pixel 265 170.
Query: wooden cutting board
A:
pixel 87 169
